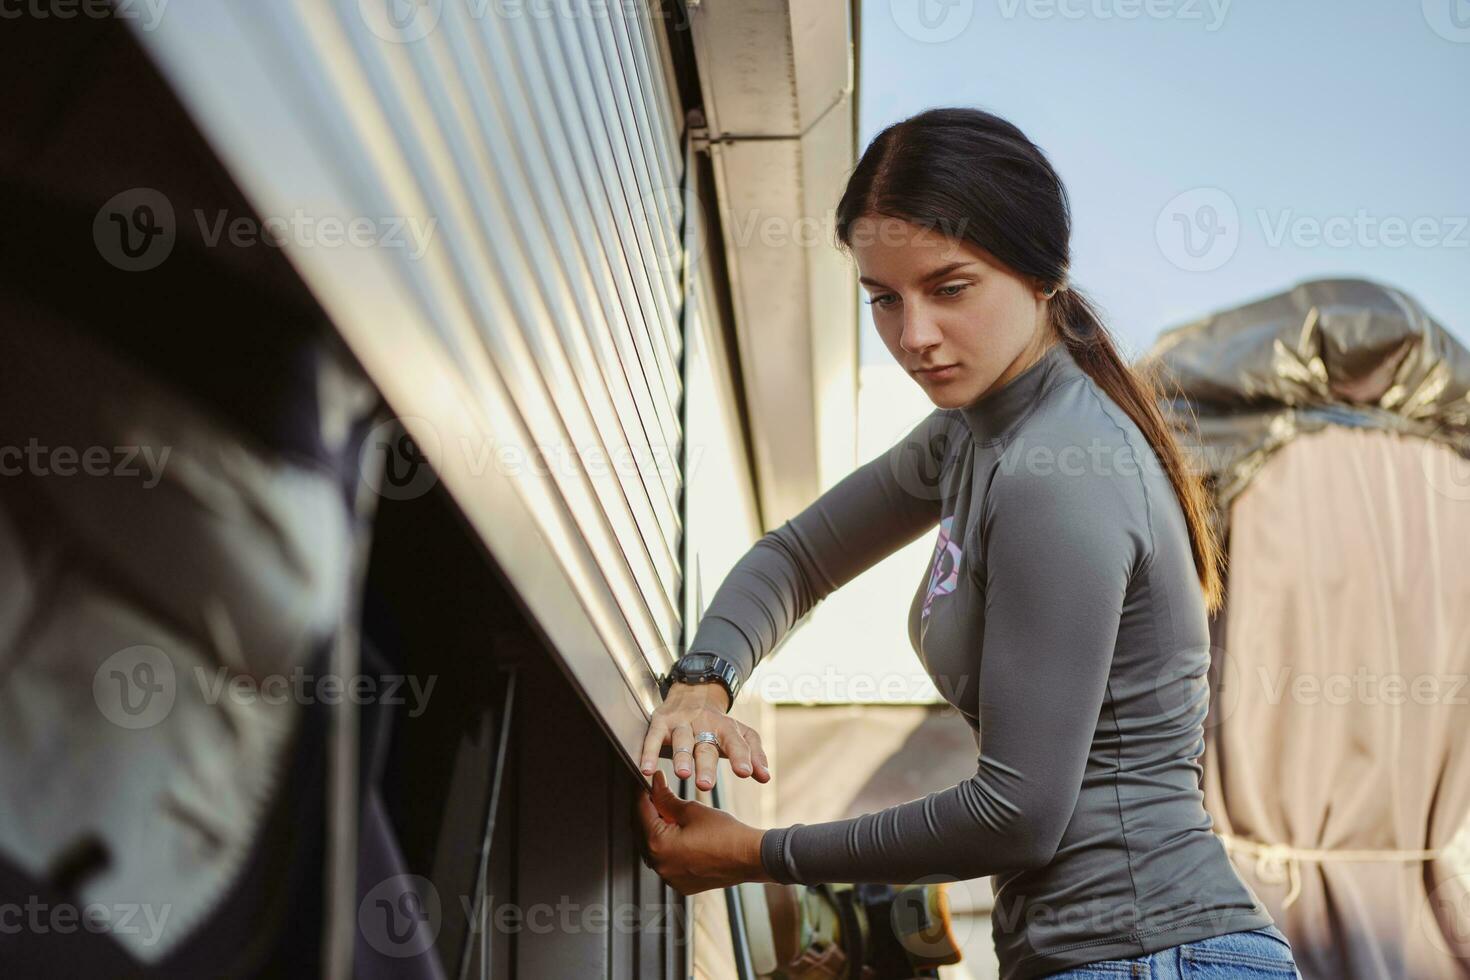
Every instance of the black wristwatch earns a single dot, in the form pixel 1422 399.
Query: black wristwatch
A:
pixel 701 668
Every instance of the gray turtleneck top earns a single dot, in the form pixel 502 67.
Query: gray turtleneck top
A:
pixel 1061 614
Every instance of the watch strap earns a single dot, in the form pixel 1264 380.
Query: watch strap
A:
pixel 720 669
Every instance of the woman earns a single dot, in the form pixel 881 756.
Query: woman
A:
pixel 1064 613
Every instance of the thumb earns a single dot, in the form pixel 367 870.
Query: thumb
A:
pixel 669 806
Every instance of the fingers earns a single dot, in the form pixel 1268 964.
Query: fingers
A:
pixel 737 750
pixel 665 800
pixel 683 746
pixel 653 743
pixel 758 757
pixel 742 746
pixel 706 764
pixel 648 815
pixel 739 743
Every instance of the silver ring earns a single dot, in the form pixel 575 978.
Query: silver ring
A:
pixel 709 737
pixel 677 751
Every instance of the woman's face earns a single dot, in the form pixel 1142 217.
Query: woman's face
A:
pixel 945 302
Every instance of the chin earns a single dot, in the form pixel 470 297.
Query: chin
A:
pixel 944 398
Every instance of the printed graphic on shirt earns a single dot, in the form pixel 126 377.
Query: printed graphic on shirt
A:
pixel 944 574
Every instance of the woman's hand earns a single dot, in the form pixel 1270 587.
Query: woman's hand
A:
pixel 694 847
pixel 691 708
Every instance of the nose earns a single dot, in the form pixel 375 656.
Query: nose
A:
pixel 920 332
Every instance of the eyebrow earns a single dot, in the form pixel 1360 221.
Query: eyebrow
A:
pixel 943 270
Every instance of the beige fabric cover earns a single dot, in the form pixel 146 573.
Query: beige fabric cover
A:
pixel 1341 718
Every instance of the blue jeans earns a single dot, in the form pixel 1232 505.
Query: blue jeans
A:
pixel 1261 953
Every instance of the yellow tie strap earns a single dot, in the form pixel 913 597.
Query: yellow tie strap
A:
pixel 1276 863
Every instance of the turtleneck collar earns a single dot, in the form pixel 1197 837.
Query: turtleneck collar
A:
pixel 992 416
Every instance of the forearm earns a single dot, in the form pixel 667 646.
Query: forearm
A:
pixel 758 602
pixel 969 830
pixel 869 514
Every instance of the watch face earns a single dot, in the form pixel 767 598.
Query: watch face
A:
pixel 695 663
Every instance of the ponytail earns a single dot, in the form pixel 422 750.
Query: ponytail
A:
pixel 1077 323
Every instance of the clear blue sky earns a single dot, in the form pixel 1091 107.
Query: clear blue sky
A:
pixel 1304 110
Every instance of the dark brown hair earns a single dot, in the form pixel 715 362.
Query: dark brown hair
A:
pixel 970 174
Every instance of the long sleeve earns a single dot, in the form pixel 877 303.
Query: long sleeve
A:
pixel 1056 553
pixel 869 514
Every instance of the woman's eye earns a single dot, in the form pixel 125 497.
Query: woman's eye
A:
pixel 954 289
pixel 878 300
